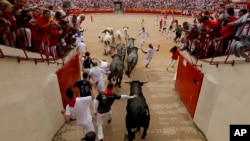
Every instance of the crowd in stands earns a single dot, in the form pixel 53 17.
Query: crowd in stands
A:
pixel 46 27
pixel 145 4
pixel 39 28
pixel 222 32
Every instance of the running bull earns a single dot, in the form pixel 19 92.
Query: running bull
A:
pixel 137 111
pixel 132 60
pixel 116 70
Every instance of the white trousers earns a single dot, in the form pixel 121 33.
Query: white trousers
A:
pixel 100 86
pixel 99 122
pixel 26 33
pixel 171 63
pixel 148 59
pixel 87 127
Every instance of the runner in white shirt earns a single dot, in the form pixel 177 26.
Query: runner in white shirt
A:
pixel 103 64
pixel 79 107
pixel 150 53
pixel 143 34
pixel 82 48
pixel 96 75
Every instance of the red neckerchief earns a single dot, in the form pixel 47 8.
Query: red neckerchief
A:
pixel 72 101
pixel 108 92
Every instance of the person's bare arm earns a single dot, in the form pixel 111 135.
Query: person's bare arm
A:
pixel 158 48
pixel 143 51
pixel 66 117
pixel 232 24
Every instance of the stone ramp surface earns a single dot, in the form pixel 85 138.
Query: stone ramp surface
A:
pixel 170 120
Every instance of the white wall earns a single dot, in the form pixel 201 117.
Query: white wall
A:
pixel 30 100
pixel 224 99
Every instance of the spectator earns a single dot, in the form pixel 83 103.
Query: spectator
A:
pixel 65 12
pixel 44 23
pixel 236 45
pixel 51 9
pixel 242 12
pixel 178 33
pixel 58 17
pixel 55 34
pixel 175 54
pixel 23 33
pixel 10 20
pixel 226 32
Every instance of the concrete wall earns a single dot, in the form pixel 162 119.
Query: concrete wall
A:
pixel 224 99
pixel 30 100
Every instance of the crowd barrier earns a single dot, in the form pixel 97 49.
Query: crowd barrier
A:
pixel 188 84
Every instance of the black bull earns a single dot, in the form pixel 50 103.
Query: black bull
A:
pixel 121 50
pixel 137 111
pixel 132 60
pixel 116 69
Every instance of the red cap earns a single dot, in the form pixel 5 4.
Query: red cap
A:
pixel 150 46
pixel 248 5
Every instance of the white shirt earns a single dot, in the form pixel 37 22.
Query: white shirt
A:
pixel 96 74
pixel 240 23
pixel 63 13
pixel 104 65
pixel 150 52
pixel 82 47
pixel 81 110
pixel 143 33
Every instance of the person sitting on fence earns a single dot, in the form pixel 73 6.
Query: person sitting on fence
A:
pixel 226 32
pixel 239 44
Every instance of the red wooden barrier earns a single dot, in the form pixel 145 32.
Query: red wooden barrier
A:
pixel 188 84
pixel 67 76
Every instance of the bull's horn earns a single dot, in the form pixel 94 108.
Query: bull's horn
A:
pixel 127 81
pixel 145 81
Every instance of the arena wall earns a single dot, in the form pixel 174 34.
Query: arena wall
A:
pixel 30 100
pixel 223 99
pixel 127 10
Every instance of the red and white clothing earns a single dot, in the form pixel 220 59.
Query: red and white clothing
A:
pixel 82 113
pixel 174 58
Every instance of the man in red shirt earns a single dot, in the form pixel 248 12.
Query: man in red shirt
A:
pixel 44 23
